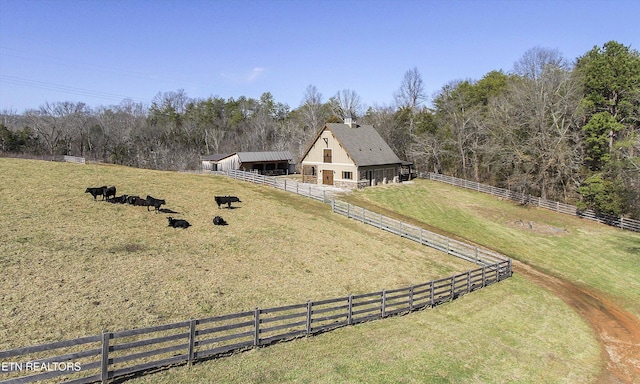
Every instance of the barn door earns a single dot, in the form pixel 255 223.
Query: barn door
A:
pixel 327 177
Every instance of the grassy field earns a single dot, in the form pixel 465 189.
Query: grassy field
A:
pixel 589 254
pixel 71 267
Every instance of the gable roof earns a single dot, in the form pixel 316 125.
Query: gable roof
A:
pixel 250 157
pixel 363 143
pixel 216 156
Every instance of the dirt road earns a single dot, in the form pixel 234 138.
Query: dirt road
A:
pixel 618 331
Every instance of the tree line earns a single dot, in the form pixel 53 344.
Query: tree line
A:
pixel 566 131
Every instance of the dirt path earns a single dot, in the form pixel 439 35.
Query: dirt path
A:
pixel 618 331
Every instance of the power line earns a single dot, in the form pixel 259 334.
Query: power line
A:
pixel 66 89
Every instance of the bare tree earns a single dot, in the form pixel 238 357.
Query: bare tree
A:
pixel 57 124
pixel 536 60
pixel 311 110
pixel 411 93
pixel 536 135
pixel 346 103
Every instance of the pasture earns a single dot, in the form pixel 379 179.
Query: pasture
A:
pixel 71 267
pixel 586 253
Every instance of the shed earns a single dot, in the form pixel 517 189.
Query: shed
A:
pixel 210 163
pixel 264 163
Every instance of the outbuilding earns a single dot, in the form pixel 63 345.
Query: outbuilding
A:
pixel 264 163
pixel 210 163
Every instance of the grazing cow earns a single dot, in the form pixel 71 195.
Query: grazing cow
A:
pixel 219 221
pixel 226 200
pixel 178 223
pixel 153 202
pixel 111 191
pixel 96 191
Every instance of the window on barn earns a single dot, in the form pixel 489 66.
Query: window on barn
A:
pixel 347 175
pixel 327 155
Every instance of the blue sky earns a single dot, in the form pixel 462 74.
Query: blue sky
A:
pixel 100 52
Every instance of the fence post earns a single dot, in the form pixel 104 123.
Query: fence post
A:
pixel 104 372
pixel 309 306
pixel 431 295
pixel 468 281
pixel 285 184
pixel 381 221
pixel 453 285
pixel 348 210
pixel 192 340
pixel 350 310
pixel 411 298
pixel 484 276
pixel 384 304
pixel 256 325
pixel 364 214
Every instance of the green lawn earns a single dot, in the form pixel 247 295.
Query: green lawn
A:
pixel 594 255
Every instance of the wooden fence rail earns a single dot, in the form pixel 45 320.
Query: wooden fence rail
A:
pixel 115 354
pixel 73 159
pixel 620 222
pixel 313 191
pixel 452 247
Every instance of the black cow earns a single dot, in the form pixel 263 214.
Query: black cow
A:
pixel 136 200
pixel 226 200
pixel 219 221
pixel 96 191
pixel 111 191
pixel 178 223
pixel 119 199
pixel 153 202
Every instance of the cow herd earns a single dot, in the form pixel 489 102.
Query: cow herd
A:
pixel 109 194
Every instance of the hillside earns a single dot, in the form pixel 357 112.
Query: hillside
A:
pixel 72 267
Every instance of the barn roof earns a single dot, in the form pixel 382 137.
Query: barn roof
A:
pixel 363 144
pixel 251 157
pixel 216 156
